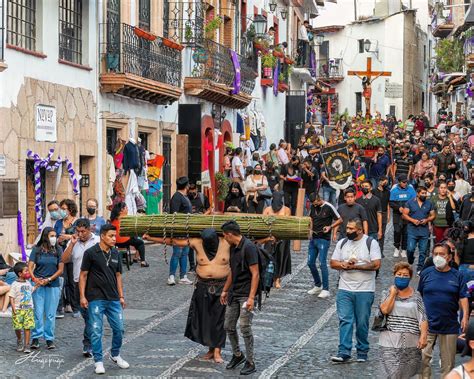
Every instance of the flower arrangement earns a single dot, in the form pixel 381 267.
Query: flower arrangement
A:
pixel 368 133
pixel 223 184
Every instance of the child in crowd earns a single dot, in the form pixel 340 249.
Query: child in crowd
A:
pixel 21 300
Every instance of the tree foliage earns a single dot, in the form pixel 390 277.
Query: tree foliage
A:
pixel 449 55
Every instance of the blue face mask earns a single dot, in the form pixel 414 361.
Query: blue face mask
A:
pixel 55 215
pixel 401 283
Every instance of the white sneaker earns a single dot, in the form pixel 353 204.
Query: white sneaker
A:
pixel 324 294
pixel 404 253
pixel 171 281
pixel 120 362
pixel 314 291
pixel 185 280
pixel 396 253
pixel 99 368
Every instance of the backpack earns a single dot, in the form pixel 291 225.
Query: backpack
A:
pixel 266 270
pixel 368 241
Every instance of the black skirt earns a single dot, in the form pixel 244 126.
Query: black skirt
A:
pixel 282 257
pixel 206 315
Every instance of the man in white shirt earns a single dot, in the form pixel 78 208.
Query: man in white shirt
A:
pixel 82 240
pixel 238 171
pixel 357 257
pixel 303 43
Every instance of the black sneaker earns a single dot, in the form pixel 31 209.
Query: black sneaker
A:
pixel 235 361
pixel 35 344
pixel 50 345
pixel 248 369
pixel 87 352
pixel 59 314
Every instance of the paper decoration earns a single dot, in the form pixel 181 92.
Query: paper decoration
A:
pixel 21 240
pixel 40 163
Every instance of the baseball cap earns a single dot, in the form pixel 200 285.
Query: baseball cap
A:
pixel 402 178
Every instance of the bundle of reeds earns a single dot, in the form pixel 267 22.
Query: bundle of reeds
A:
pixel 190 225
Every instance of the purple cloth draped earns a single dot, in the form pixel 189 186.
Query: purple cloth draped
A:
pixel 276 73
pixel 21 240
pixel 237 78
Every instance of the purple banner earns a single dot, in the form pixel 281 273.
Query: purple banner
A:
pixel 237 78
pixel 276 73
pixel 21 240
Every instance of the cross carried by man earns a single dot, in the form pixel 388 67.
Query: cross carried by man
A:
pixel 366 77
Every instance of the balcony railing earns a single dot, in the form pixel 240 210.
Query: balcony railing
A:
pixel 213 61
pixel 329 69
pixel 126 52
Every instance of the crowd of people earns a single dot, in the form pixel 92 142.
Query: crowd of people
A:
pixel 420 181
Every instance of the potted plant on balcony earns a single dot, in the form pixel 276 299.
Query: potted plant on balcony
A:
pixel 268 63
pixel 171 44
pixel 288 60
pixel 144 34
pixel 212 25
pixel 188 33
pixel 260 44
pixel 282 86
pixel 278 52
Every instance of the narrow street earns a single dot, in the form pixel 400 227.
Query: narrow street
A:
pixel 295 333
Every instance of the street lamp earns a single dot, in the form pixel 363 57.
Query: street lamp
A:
pixel 272 5
pixel 319 39
pixel 367 45
pixel 260 23
pixel 284 13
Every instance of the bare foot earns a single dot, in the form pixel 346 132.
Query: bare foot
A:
pixel 218 356
pixel 209 355
pixel 277 283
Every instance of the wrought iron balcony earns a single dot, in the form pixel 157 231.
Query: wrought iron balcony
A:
pixel 138 67
pixel 184 21
pixel 329 69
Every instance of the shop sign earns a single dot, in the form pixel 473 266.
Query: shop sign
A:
pixel 3 165
pixel 46 123
pixel 205 179
pixel 393 90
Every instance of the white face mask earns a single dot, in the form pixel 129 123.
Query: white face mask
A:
pixel 52 241
pixel 440 262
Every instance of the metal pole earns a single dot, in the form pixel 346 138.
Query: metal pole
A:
pixel 355 10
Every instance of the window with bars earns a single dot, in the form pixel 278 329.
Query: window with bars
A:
pixel 70 30
pixel 144 12
pixel 21 23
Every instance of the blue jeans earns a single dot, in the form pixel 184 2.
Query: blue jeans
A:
pixel 329 195
pixel 354 307
pixel 375 236
pixel 319 246
pixel 86 342
pixel 180 256
pixel 45 300
pixel 113 311
pixel 412 242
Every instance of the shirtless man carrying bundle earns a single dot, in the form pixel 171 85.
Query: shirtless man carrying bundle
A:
pixel 205 324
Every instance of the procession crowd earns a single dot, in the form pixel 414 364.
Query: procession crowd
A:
pixel 420 181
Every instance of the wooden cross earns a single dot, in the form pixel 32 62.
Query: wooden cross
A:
pixel 368 73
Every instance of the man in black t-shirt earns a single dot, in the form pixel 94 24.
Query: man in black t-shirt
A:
pixel 383 193
pixel 373 208
pixel 325 218
pixel 180 204
pixel 239 294
pixel 349 211
pixel 101 292
pixel 403 164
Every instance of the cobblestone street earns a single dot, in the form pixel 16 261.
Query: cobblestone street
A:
pixel 295 333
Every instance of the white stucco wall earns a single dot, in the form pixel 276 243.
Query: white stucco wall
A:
pixel 21 65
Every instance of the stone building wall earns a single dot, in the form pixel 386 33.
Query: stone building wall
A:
pixel 76 137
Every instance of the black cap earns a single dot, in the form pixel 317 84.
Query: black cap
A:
pixel 402 178
pixel 182 181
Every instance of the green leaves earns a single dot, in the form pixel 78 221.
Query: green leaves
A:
pixel 449 55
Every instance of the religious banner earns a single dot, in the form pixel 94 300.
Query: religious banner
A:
pixel 237 78
pixel 337 165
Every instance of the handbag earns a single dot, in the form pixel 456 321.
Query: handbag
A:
pixel 380 322
pixel 265 194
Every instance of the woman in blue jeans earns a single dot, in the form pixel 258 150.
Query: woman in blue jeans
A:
pixel 45 268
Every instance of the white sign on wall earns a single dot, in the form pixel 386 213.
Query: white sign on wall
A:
pixel 46 123
pixel 393 90
pixel 3 165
